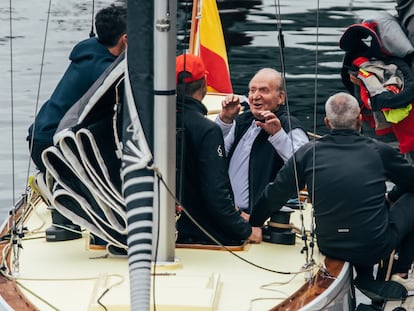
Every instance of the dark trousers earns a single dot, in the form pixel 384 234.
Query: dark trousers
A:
pixel 401 222
pixel 400 237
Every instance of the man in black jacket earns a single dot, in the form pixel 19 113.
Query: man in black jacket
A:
pixel 260 140
pixel 203 185
pixel 89 59
pixel 346 174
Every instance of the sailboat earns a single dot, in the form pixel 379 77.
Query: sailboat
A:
pixel 155 274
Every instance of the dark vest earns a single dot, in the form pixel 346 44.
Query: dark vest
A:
pixel 264 162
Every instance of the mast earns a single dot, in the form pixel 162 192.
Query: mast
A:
pixel 137 136
pixel 149 142
pixel 165 33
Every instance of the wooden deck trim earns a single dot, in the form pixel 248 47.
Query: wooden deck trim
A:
pixel 9 290
pixel 312 289
pixel 233 248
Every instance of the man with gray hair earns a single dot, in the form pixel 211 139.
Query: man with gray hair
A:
pixel 342 113
pixel 346 176
pixel 261 139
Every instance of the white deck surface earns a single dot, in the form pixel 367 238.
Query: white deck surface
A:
pixel 70 277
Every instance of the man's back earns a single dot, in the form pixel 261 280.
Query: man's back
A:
pixel 349 186
pixel 346 172
pixel 357 220
pixel 89 59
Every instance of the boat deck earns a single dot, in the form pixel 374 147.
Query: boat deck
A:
pixel 68 276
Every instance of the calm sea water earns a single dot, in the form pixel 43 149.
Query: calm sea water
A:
pixel 250 32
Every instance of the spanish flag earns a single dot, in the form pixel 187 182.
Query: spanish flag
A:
pixel 212 48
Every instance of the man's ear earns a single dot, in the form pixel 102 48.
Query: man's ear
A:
pixel 124 38
pixel 327 123
pixel 282 96
pixel 359 122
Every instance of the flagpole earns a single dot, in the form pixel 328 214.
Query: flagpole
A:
pixel 194 27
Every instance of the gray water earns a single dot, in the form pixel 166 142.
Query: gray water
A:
pixel 252 43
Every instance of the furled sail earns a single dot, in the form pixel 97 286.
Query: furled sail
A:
pixel 83 181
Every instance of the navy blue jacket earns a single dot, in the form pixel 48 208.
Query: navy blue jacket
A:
pixel 89 59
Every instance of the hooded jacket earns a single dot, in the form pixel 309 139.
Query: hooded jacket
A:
pixel 89 59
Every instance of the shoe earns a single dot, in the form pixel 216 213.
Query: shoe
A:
pixel 96 243
pixel 380 291
pixel 62 229
pixel 365 307
pixel 407 283
pixel 117 251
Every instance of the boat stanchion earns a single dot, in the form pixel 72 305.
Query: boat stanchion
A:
pixel 308 269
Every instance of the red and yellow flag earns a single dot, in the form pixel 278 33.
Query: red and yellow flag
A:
pixel 212 48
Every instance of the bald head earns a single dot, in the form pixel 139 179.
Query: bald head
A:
pixel 342 112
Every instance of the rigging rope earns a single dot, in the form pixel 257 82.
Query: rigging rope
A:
pixel 283 72
pixel 92 33
pixel 160 178
pixel 309 258
pixel 309 261
pixel 42 62
pixel 312 230
pixel 13 215
pixel 12 92
pixel 178 203
pixel 17 229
